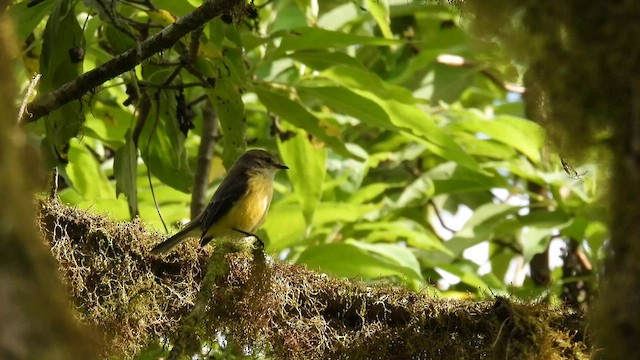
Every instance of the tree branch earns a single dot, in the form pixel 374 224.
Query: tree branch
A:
pixel 282 310
pixel 126 61
pixel 205 153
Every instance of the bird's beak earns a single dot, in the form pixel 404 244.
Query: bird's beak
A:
pixel 282 166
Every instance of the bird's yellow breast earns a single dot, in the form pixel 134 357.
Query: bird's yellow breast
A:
pixel 249 212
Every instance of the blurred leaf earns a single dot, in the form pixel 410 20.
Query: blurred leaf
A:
pixel 61 36
pixel 323 59
pixel 480 226
pixel 403 111
pixel 229 108
pixel 27 18
pixel 286 225
pixel 307 38
pixel 417 193
pixel 472 279
pixel 354 261
pixel 307 169
pixel 85 173
pixel 153 351
pixel 444 83
pixel 109 123
pixel 179 8
pixel 556 219
pixel 576 229
pixel 297 115
pixel 349 173
pixel 524 135
pixel 500 259
pixel 310 9
pixel 402 231
pixel 118 40
pixel 347 102
pixel 395 253
pixel 161 143
pixel 125 165
pixel 596 233
pixel 114 208
pixel 449 178
pixel 379 10
pixel 534 241
pixel 369 192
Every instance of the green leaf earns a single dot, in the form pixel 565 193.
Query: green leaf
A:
pixel 161 143
pixel 307 38
pixel 395 253
pixel 369 192
pixel 443 83
pixel 450 178
pixel 323 59
pixel 349 103
pixel 417 193
pixel 307 169
pixel 556 219
pixel 403 111
pixel 310 9
pixel 521 134
pixel 484 147
pixel 229 108
pixel 535 240
pixel 596 233
pixel 379 10
pixel 415 236
pixel 179 8
pixel 470 278
pixel 85 174
pixel 27 18
pixel 576 229
pixel 108 123
pixel 125 165
pixel 118 40
pixel 286 225
pixel 480 226
pixel 62 34
pixel 153 351
pixel 294 113
pixel 353 260
pixel 500 259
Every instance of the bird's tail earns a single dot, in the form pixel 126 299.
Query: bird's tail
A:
pixel 189 230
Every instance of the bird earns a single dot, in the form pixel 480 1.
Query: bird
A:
pixel 238 207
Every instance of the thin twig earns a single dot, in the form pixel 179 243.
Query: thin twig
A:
pixel 197 100
pixel 153 194
pixel 459 61
pixel 442 223
pixel 172 86
pixel 126 61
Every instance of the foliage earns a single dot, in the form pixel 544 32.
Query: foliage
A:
pixel 390 142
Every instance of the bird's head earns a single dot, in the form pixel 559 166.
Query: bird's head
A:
pixel 261 161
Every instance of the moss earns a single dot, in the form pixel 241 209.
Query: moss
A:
pixel 281 310
pixel 116 284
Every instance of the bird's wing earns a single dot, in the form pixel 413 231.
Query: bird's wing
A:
pixel 229 192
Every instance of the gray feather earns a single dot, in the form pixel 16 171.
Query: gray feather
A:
pixel 189 230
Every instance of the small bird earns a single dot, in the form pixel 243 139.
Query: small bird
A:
pixel 238 207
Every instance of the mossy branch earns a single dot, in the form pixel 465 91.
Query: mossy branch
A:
pixel 285 311
pixel 167 37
